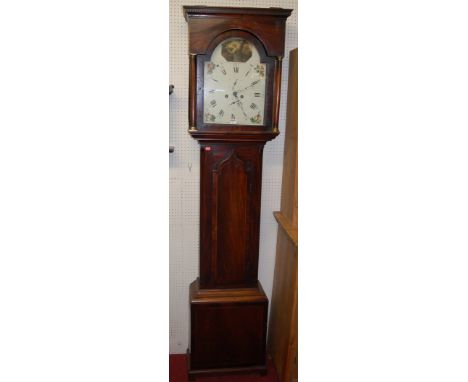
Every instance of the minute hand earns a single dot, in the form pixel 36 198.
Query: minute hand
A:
pixel 252 84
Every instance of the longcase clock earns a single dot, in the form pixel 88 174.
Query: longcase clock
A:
pixel 235 57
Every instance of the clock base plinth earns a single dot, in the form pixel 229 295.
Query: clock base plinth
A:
pixel 194 373
pixel 228 331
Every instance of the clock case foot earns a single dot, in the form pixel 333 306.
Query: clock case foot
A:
pixel 194 373
pixel 228 331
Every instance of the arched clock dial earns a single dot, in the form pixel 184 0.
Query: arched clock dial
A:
pixel 234 84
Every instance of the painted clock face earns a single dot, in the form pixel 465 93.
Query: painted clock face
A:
pixel 234 88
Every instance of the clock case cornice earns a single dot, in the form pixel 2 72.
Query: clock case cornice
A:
pixel 207 25
pixel 200 10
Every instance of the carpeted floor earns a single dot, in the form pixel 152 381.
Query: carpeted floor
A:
pixel 178 373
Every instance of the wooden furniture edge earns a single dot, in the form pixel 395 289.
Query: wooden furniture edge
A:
pixel 205 10
pixel 287 228
pixel 194 373
pixel 232 295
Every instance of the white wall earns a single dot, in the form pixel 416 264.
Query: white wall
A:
pixel 184 173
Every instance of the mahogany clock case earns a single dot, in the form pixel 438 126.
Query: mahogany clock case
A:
pixel 228 307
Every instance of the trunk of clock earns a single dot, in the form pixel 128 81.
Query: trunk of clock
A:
pixel 228 307
pixel 230 189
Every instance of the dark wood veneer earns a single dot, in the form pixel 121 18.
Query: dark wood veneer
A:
pixel 228 328
pixel 216 136
pixel 205 23
pixel 230 189
pixel 228 307
pixel 264 27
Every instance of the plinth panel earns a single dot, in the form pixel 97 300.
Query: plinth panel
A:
pixel 228 328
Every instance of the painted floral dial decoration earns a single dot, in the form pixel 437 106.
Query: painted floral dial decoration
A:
pixel 234 87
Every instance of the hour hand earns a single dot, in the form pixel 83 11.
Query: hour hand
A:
pixel 242 108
